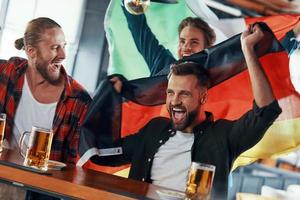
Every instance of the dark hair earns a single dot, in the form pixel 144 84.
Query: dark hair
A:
pixel 191 68
pixel 34 31
pixel 196 22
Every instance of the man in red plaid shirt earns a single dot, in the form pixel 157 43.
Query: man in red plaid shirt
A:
pixel 38 92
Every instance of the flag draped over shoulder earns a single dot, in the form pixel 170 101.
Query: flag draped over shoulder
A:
pixel 110 117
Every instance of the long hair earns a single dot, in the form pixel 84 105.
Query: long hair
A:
pixel 196 22
pixel 34 32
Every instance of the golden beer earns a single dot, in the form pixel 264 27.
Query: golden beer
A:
pixel 136 7
pixel 39 147
pixel 200 180
pixel 2 129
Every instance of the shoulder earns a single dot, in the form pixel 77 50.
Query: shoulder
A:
pixel 162 120
pixel 13 63
pixel 222 122
pixel 17 62
pixel 222 126
pixel 211 123
pixel 159 123
pixel 155 126
pixel 76 90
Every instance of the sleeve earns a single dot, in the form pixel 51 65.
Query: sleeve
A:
pixel 74 140
pixel 251 127
pixel 4 64
pixel 129 146
pixel 287 41
pixel 3 90
pixel 82 108
pixel 156 56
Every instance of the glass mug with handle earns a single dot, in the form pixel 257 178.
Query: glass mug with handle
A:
pixel 2 129
pixel 38 149
pixel 200 180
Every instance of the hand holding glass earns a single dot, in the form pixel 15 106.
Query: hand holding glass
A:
pixel 200 180
pixel 39 147
pixel 136 7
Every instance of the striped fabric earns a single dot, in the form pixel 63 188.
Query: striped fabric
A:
pixel 230 103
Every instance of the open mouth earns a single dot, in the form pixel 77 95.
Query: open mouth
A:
pixel 178 114
pixel 55 66
pixel 186 54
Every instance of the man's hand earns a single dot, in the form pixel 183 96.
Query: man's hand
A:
pixel 117 83
pixel 261 87
pixel 251 37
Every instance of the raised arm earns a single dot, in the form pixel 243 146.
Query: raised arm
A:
pixel 261 87
pixel 156 55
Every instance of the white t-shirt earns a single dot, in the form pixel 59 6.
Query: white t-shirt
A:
pixel 172 161
pixel 30 113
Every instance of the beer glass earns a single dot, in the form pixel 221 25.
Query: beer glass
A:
pixel 2 128
pixel 136 7
pixel 200 180
pixel 38 149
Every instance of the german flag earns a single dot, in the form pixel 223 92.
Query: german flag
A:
pixel 112 115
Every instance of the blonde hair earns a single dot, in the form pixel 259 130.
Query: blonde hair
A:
pixel 34 32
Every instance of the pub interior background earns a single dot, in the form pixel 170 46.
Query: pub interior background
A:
pixel 87 55
pixel 87 59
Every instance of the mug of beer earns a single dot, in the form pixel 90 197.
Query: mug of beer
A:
pixel 2 128
pixel 38 149
pixel 200 180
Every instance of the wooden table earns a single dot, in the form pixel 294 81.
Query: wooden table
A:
pixel 73 182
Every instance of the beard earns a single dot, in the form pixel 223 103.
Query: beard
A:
pixel 41 67
pixel 186 122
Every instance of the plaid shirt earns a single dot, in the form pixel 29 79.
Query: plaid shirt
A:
pixel 70 110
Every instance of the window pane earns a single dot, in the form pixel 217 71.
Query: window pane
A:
pixel 67 13
pixel 19 12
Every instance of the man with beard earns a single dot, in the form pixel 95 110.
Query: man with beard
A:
pixel 162 151
pixel 38 92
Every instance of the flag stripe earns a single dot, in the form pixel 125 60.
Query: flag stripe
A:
pixel 279 23
pixel 281 138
